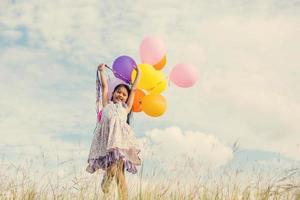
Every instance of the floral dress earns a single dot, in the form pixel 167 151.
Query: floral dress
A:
pixel 113 140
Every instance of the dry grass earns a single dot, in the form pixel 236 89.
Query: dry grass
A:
pixel 26 182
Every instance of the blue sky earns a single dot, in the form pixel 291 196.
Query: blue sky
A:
pixel 247 54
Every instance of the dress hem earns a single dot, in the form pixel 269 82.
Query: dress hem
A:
pixel 104 162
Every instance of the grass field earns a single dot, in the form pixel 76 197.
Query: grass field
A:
pixel 29 182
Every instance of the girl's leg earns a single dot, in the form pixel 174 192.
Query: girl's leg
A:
pixel 108 178
pixel 121 182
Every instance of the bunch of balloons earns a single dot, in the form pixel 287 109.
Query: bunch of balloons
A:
pixel 153 81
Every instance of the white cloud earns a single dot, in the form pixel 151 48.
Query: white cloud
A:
pixel 37 85
pixel 185 151
pixel 10 35
pixel 41 102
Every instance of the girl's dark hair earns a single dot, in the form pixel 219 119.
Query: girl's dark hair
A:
pixel 129 116
pixel 125 86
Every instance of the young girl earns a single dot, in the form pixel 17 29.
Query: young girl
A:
pixel 114 147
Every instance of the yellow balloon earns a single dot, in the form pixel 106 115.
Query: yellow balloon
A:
pixel 154 105
pixel 147 77
pixel 159 88
pixel 160 83
pixel 159 75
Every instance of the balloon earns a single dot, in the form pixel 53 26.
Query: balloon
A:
pixel 159 88
pixel 160 64
pixel 159 84
pixel 154 105
pixel 112 83
pixel 123 67
pixel 184 75
pixel 152 50
pixel 137 102
pixel 147 77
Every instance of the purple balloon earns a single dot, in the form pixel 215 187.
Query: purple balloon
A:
pixel 122 68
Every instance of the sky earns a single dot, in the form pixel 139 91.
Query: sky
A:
pixel 244 109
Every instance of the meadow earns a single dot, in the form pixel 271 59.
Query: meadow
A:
pixel 66 181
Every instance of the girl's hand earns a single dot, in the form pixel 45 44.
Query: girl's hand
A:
pixel 101 67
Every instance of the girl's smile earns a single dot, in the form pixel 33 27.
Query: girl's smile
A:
pixel 120 95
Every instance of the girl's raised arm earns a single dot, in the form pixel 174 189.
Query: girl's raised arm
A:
pixel 133 89
pixel 103 84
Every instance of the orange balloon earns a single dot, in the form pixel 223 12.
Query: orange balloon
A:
pixel 137 102
pixel 161 63
pixel 154 105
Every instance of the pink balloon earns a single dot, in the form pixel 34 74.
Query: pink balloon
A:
pixel 152 50
pixel 184 75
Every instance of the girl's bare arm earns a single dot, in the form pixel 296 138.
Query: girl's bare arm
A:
pixel 103 84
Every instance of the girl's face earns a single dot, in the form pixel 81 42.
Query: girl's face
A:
pixel 120 95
